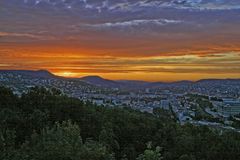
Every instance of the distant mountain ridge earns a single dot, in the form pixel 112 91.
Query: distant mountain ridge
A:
pixel 99 81
pixel 37 73
pixel 214 80
pixel 133 84
pixel 123 84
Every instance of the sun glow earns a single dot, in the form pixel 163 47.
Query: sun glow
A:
pixel 66 74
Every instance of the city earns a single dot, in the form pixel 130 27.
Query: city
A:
pixel 214 103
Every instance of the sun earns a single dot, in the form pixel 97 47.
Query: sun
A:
pixel 66 74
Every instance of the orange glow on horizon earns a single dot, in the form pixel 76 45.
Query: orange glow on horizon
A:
pixel 170 66
pixel 66 74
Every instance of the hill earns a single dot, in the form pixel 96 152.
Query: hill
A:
pixel 99 81
pixel 30 73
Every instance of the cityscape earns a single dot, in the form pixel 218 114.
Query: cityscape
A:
pixel 210 102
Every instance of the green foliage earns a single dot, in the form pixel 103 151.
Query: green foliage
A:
pixel 7 140
pixel 186 157
pixel 150 154
pixel 201 100
pixel 63 142
pixel 7 98
pixel 44 124
pixel 108 138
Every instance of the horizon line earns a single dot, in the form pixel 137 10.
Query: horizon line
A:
pixel 95 75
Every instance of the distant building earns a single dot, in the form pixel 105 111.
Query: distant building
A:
pixel 230 107
pixel 147 109
pixel 98 101
pixel 164 104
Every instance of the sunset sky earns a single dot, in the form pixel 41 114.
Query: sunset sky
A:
pixel 153 40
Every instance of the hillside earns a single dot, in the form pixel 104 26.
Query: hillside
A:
pixel 99 81
pixel 30 73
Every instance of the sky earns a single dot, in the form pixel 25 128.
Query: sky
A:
pixel 152 40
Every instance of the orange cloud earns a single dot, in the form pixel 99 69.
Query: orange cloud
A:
pixel 76 62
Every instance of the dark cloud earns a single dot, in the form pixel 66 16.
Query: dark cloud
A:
pixel 124 5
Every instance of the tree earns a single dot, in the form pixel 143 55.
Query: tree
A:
pixel 108 138
pixel 7 98
pixel 187 157
pixel 63 142
pixel 7 144
pixel 150 154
